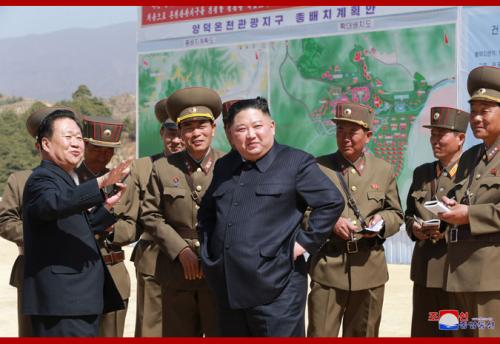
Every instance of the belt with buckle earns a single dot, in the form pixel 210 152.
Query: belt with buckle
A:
pixel 114 257
pixel 355 246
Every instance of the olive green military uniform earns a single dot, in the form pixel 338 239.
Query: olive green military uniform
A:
pixel 11 228
pixel 170 217
pixel 145 254
pixel 349 287
pixel 148 320
pixel 431 181
pixel 111 324
pixel 106 132
pixel 473 259
pixel 174 193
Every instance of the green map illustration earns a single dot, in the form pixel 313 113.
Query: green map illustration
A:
pixel 401 73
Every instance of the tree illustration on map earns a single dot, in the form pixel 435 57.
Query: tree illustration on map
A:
pixel 237 71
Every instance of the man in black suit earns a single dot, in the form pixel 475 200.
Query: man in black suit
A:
pixel 252 244
pixel 66 284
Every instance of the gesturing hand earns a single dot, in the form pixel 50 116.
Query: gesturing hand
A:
pixel 116 175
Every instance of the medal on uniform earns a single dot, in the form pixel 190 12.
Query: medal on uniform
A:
pixel 175 181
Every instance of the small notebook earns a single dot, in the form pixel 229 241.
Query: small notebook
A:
pixel 436 207
pixel 375 228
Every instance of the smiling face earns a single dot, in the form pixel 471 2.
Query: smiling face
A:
pixel 351 139
pixel 252 133
pixel 197 136
pixel 446 144
pixel 485 120
pixel 65 146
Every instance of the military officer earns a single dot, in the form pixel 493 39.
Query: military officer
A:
pixel 474 233
pixel 349 273
pixel 178 182
pixel 102 136
pixel 11 222
pixel 148 321
pixel 432 181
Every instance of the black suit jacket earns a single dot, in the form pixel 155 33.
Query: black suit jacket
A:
pixel 64 272
pixel 249 221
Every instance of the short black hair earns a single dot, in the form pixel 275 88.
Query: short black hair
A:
pixel 46 128
pixel 258 103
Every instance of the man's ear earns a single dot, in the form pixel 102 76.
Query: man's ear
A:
pixel 45 144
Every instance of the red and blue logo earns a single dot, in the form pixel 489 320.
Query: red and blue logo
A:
pixel 448 320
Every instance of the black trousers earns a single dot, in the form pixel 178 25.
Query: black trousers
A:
pixel 283 317
pixel 65 326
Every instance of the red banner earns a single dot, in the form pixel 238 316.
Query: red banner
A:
pixel 171 14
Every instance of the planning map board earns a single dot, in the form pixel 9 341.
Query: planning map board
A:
pixel 400 71
pixel 400 60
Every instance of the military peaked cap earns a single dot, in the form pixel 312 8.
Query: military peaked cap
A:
pixel 102 131
pixel 194 103
pixel 483 83
pixel 449 118
pixel 359 114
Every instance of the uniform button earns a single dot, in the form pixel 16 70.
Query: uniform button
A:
pixel 354 188
pixel 197 207
pixel 441 189
pixel 353 170
pixel 229 224
pixel 198 187
pixel 236 204
pixel 242 184
pixel 445 174
pixel 198 169
pixel 478 176
pixel 196 224
pixel 354 222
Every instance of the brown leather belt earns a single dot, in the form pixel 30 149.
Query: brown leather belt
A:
pixel 114 257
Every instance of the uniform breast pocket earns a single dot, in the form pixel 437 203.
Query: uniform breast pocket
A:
pixel 171 194
pixel 271 190
pixel 489 190
pixel 376 196
pixel 419 195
